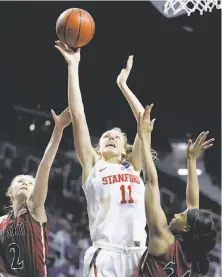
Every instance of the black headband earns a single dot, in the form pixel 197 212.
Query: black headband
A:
pixel 191 217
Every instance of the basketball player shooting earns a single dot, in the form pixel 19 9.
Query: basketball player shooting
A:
pixel 24 231
pixel 167 254
pixel 113 189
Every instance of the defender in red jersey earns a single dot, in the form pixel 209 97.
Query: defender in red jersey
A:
pixel 166 255
pixel 24 231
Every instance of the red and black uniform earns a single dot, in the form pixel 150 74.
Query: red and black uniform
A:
pixel 23 245
pixel 171 264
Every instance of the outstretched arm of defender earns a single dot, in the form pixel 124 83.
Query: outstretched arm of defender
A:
pixel 156 218
pixel 85 151
pixel 136 107
pixel 193 152
pixel 134 103
pixel 39 193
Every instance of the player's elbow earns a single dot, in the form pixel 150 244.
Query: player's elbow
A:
pixel 76 115
pixel 152 181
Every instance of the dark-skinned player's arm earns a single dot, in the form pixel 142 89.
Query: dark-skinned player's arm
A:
pixel 37 199
pixel 155 215
pixel 193 152
pixel 85 151
pixel 136 107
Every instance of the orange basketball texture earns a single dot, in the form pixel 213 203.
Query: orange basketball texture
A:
pixel 75 27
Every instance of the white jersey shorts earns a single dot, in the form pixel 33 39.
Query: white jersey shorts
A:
pixel 111 261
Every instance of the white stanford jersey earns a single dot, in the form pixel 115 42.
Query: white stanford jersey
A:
pixel 115 204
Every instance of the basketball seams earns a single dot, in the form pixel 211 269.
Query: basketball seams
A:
pixel 91 35
pixel 80 23
pixel 64 33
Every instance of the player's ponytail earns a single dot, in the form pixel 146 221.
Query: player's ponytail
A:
pixel 200 240
pixel 202 246
pixel 200 266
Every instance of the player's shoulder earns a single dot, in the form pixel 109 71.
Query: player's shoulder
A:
pixel 100 164
pixel 3 218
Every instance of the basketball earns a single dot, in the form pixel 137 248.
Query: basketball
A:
pixel 75 27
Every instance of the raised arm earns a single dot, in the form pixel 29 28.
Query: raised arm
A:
pixel 136 107
pixel 134 103
pixel 156 218
pixel 193 152
pixel 87 155
pixel 38 196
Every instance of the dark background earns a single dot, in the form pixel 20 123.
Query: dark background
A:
pixel 177 70
pixel 177 66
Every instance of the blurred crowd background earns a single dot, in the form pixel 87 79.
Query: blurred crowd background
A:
pixel 177 66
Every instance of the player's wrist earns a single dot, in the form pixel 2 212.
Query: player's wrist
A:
pixel 191 159
pixel 144 137
pixel 59 128
pixel 73 65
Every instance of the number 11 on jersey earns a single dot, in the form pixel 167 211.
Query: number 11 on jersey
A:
pixel 123 193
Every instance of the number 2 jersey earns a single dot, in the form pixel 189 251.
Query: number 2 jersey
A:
pixel 115 204
pixel 23 245
pixel 171 264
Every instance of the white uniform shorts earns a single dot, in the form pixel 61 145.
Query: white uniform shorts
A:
pixel 111 260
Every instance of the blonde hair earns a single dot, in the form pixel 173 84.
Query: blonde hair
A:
pixel 9 190
pixel 128 147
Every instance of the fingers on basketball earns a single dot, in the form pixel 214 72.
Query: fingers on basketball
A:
pixel 63 48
